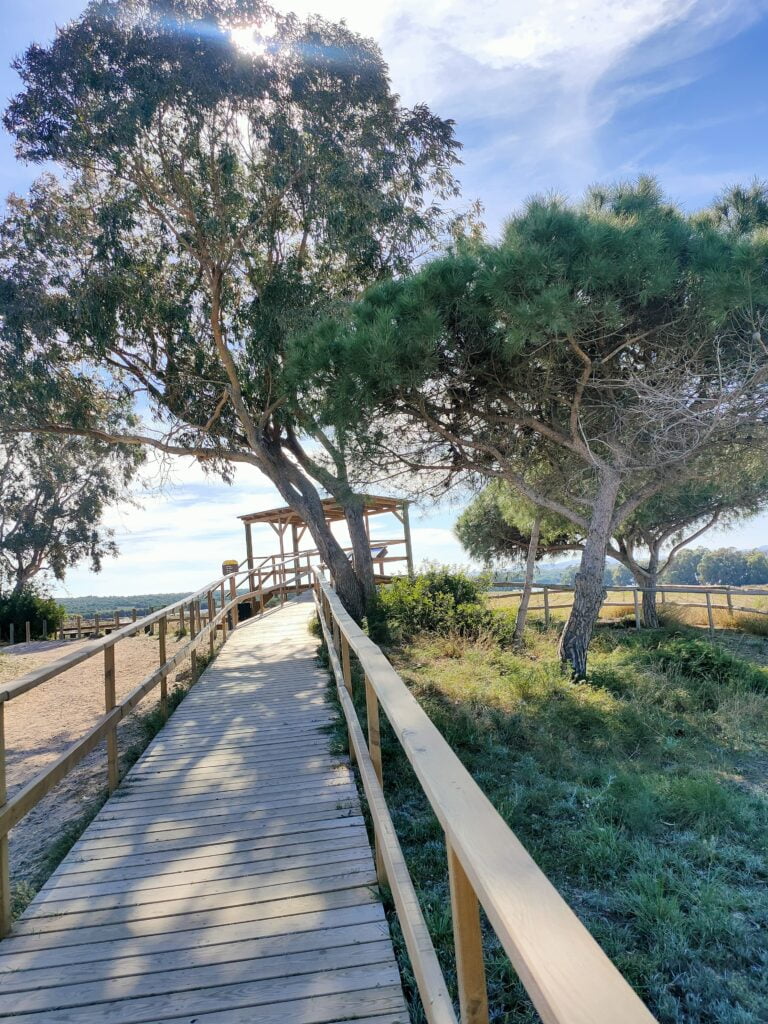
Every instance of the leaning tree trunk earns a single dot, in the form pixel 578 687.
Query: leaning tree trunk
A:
pixel 302 496
pixel 361 546
pixel 530 565
pixel 589 589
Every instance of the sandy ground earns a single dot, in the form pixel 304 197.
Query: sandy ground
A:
pixel 41 724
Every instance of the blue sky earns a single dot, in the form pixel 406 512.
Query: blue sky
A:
pixel 549 96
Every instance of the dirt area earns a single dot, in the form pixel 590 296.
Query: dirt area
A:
pixel 41 724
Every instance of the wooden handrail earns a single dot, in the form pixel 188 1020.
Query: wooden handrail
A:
pixel 567 975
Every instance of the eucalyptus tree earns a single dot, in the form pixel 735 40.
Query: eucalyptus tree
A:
pixel 230 173
pixel 54 493
pixel 621 333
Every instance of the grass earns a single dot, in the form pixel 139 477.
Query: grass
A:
pixel 640 793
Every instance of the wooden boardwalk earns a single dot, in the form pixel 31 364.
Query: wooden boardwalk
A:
pixel 229 879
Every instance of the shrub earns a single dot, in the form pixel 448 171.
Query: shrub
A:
pixel 31 607
pixel 703 662
pixel 441 602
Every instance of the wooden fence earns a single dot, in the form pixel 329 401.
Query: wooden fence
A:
pixel 666 599
pixel 274 580
pixel 565 972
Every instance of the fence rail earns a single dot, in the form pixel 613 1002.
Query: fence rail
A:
pixel 709 593
pixel 566 974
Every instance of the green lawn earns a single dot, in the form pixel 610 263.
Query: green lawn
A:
pixel 642 794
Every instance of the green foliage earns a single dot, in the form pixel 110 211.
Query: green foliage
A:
pixel 703 663
pixel 497 523
pixel 439 601
pixel 54 494
pixel 685 568
pixel 731 567
pixel 643 803
pixel 29 606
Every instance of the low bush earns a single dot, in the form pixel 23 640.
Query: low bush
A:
pixel 31 607
pixel 703 662
pixel 440 602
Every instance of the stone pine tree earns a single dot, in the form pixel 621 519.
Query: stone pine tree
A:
pixel 621 333
pixel 218 195
pixel 724 489
pixel 499 524
pixel 53 496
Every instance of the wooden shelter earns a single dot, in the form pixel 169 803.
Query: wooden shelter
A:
pixel 290 528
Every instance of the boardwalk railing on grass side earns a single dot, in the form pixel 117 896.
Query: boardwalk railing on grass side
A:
pixel 273 580
pixel 568 977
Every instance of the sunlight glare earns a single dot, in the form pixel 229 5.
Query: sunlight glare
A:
pixel 251 39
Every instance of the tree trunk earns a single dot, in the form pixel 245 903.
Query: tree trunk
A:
pixel 361 547
pixel 299 492
pixel 589 589
pixel 530 565
pixel 649 580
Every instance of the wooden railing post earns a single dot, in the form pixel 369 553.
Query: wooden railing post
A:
pixel 546 607
pixel 11 634
pixel 5 867
pixel 374 749
pixel 211 617
pixel 109 703
pixel 710 617
pixel 28 631
pixel 233 600
pixel 193 622
pixel 133 614
pixel 346 670
pixel 79 619
pixel 96 625
pixel 729 599
pixel 468 943
pixel 222 594
pixel 162 631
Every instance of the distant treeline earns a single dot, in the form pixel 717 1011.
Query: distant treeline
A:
pixel 94 605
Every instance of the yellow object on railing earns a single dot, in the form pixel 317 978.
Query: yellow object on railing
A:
pixel 568 977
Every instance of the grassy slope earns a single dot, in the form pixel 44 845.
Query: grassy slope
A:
pixel 640 794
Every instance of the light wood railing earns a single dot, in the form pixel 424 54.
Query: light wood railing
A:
pixel 568 977
pixel 273 580
pixel 667 594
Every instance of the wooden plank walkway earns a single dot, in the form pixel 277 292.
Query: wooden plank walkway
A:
pixel 229 879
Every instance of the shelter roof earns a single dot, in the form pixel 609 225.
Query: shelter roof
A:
pixel 374 505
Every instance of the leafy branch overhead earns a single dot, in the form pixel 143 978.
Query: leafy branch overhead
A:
pixel 216 200
pixel 617 343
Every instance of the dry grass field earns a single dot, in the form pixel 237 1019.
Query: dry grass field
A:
pixel 681 608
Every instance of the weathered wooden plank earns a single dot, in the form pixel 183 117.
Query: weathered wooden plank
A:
pixel 223 895
pixel 231 942
pixel 63 899
pixel 140 1010
pixel 203 974
pixel 229 878
pixel 72 946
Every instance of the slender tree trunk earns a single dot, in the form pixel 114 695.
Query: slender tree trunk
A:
pixel 648 579
pixel 589 589
pixel 361 546
pixel 530 565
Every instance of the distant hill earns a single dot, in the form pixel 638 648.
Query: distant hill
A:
pixel 93 604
